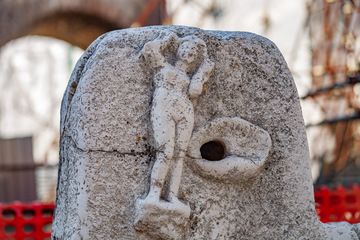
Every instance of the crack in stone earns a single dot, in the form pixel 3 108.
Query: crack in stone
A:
pixel 131 153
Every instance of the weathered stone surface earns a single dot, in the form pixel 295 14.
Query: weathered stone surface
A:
pixel 108 147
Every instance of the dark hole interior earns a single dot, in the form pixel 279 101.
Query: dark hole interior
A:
pixel 28 213
pixel 28 228
pixel 213 151
pixel 9 229
pixel 8 214
pixel 47 212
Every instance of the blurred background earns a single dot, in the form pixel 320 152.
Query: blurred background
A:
pixel 40 41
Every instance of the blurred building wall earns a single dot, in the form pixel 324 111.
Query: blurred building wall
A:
pixel 78 22
pixel 17 175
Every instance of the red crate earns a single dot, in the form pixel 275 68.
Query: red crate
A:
pixel 26 221
pixel 339 204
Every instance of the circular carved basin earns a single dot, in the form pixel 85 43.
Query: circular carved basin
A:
pixel 230 149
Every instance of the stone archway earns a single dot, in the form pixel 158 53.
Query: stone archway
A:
pixel 78 22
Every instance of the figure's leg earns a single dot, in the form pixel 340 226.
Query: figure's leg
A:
pixel 184 130
pixel 164 135
pixel 175 176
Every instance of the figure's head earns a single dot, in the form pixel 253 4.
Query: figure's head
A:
pixel 191 50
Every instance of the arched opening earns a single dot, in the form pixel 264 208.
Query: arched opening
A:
pixel 76 28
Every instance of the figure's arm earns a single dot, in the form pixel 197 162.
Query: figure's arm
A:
pixel 152 51
pixel 200 77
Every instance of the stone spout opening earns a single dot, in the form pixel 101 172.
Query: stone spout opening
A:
pixel 213 150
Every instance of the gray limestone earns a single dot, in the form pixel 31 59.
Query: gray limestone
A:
pixel 139 109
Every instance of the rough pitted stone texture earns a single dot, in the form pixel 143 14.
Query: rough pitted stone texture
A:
pixel 107 150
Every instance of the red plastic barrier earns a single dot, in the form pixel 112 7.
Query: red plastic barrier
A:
pixel 26 221
pixel 339 204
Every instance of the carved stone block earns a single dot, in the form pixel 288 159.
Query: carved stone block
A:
pixel 173 132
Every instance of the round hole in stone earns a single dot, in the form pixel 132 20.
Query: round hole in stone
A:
pixel 213 150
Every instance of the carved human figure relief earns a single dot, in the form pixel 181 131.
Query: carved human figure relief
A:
pixel 177 85
pixel 247 174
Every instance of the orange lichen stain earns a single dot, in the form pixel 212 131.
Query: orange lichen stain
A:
pixel 205 87
pixel 138 139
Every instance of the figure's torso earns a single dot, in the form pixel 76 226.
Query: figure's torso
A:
pixel 172 79
pixel 171 93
